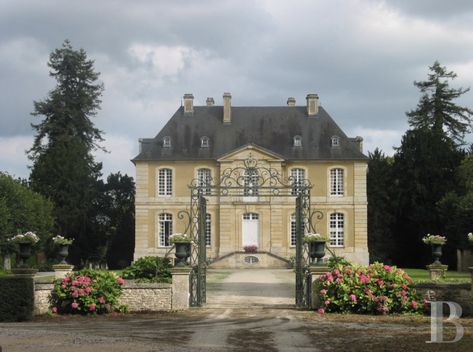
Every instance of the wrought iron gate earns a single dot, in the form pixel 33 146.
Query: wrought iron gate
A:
pixel 249 180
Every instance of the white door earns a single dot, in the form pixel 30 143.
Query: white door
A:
pixel 250 229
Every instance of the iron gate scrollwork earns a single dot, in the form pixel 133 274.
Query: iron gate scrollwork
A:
pixel 248 180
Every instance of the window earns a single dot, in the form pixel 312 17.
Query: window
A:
pixel 204 142
pixel 251 182
pixel 335 141
pixel 250 216
pixel 204 180
pixel 297 141
pixel 208 229
pixel 165 182
pixel 293 230
pixel 167 142
pixel 297 178
pixel 337 225
pixel 165 229
pixel 336 182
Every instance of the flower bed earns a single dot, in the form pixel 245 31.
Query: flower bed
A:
pixel 373 289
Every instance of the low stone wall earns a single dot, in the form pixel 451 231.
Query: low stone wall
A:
pixel 459 293
pixel 138 297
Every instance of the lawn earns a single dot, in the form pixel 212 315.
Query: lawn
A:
pixel 422 275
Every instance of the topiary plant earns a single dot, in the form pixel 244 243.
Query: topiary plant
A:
pixel 149 269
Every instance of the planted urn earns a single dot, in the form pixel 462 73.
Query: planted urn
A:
pixel 316 243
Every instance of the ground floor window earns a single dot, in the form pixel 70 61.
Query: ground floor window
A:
pixel 293 230
pixel 165 229
pixel 337 226
pixel 208 230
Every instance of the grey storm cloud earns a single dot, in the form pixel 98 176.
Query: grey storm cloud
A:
pixel 361 57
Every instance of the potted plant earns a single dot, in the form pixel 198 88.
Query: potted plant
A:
pixel 250 249
pixel 316 243
pixel 62 244
pixel 182 242
pixel 25 243
pixel 436 241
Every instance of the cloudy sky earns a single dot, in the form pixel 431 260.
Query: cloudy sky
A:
pixel 361 57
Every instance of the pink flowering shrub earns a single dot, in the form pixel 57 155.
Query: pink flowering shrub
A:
pixel 373 289
pixel 86 292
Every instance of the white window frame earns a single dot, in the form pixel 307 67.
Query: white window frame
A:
pixel 292 230
pixel 163 237
pixel 165 182
pixel 204 142
pixel 203 179
pixel 335 141
pixel 167 142
pixel 298 175
pixel 297 141
pixel 250 183
pixel 208 229
pixel 337 181
pixel 336 227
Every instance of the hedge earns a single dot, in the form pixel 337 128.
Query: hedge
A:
pixel 16 299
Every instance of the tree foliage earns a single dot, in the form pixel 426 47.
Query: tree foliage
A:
pixel 436 109
pixel 64 169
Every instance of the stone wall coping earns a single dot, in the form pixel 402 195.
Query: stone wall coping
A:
pixel 131 284
pixel 43 286
pixel 460 285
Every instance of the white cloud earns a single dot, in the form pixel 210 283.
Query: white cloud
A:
pixel 13 159
pixel 378 138
pixel 121 150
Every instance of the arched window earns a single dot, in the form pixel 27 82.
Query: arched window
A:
pixel 167 142
pixel 204 180
pixel 297 178
pixel 335 141
pixel 336 182
pixel 208 229
pixel 165 229
pixel 297 141
pixel 165 182
pixel 337 229
pixel 204 142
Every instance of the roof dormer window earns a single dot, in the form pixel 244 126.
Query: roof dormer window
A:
pixel 204 142
pixel 167 142
pixel 297 141
pixel 335 141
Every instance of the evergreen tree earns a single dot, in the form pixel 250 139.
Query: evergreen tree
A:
pixel 436 110
pixel 64 169
pixel 380 206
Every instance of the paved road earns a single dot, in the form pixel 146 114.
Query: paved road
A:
pixel 251 288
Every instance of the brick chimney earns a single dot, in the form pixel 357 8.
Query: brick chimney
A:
pixel 210 101
pixel 291 101
pixel 227 108
pixel 312 104
pixel 188 103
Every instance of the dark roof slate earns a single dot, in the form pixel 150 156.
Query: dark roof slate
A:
pixel 272 128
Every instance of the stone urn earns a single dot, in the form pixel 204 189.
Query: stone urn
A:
pixel 316 252
pixel 436 253
pixel 183 251
pixel 62 253
pixel 24 253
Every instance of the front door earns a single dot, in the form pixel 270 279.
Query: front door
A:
pixel 250 229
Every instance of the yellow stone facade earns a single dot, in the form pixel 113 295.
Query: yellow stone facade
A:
pixel 274 228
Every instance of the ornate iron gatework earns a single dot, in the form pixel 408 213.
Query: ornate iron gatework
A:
pixel 249 180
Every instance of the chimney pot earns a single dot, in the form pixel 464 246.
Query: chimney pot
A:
pixel 312 104
pixel 210 101
pixel 188 103
pixel 227 108
pixel 291 101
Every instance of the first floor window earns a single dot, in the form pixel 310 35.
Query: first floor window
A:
pixel 293 230
pixel 337 229
pixel 208 229
pixel 297 178
pixel 165 229
pixel 251 182
pixel 336 182
pixel 204 179
pixel 165 182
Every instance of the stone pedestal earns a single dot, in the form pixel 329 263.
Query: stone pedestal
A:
pixel 316 271
pixel 180 288
pixel 437 271
pixel 471 272
pixel 61 270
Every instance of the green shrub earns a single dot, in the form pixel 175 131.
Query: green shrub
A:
pixel 16 298
pixel 373 289
pixel 335 261
pixel 149 269
pixel 86 292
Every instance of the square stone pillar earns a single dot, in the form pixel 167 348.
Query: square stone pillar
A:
pixel 180 287
pixel 61 270
pixel 316 271
pixel 437 271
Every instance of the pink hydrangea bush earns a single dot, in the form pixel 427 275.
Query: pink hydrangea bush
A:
pixel 86 292
pixel 373 289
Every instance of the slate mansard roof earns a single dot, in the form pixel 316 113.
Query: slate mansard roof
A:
pixel 272 128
